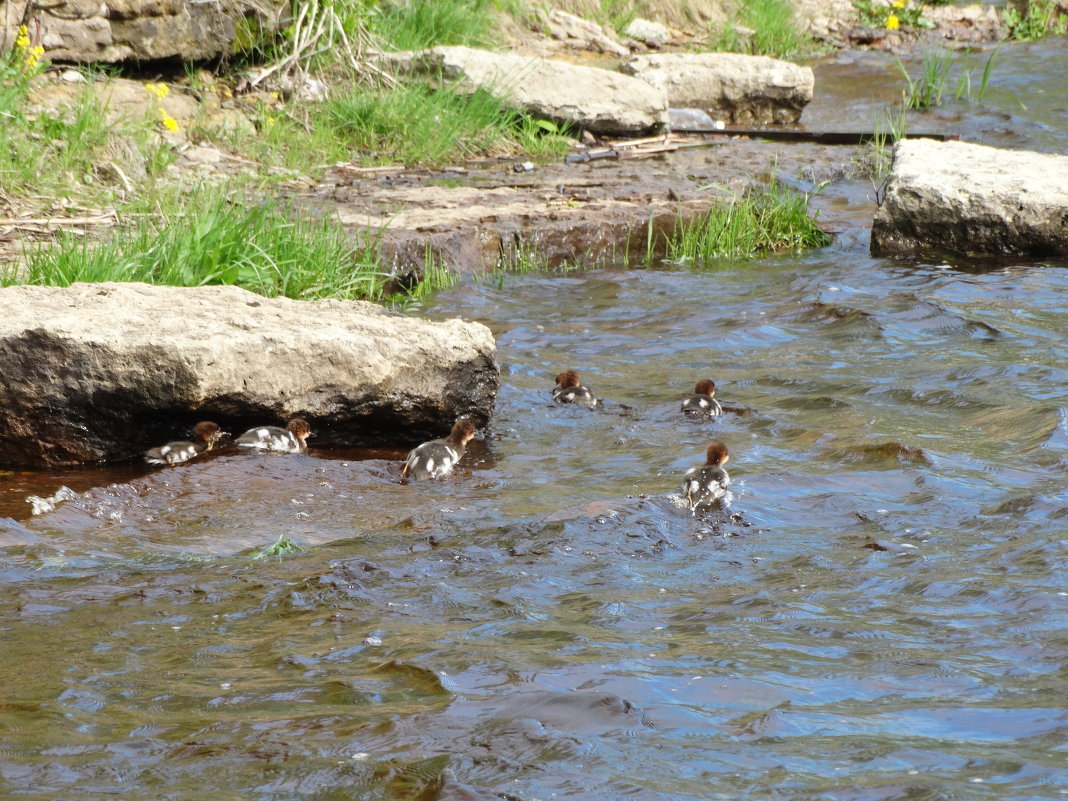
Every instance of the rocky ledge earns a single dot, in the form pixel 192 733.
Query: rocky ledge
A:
pixel 731 87
pixel 99 372
pixel 966 198
pixel 597 100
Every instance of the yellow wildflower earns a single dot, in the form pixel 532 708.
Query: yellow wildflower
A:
pixel 22 41
pixel 159 90
pixel 892 22
pixel 898 4
pixel 168 121
pixel 33 55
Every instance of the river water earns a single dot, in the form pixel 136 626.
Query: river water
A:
pixel 880 612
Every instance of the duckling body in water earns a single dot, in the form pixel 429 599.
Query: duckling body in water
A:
pixel 205 435
pixel 290 439
pixel 436 458
pixel 569 389
pixel 705 484
pixel 702 403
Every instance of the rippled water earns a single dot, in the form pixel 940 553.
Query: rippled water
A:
pixel 881 612
pixel 886 618
pixel 1024 106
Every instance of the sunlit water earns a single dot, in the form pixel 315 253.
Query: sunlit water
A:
pixel 881 612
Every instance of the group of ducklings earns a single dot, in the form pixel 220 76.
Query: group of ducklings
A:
pixel 702 485
pixel 206 435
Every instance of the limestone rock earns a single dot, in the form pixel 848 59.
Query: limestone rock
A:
pixel 654 34
pixel 970 198
pixel 729 86
pixel 582 34
pixel 104 371
pixel 593 99
pixel 140 30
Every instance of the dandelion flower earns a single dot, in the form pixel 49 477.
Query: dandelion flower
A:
pixel 898 4
pixel 892 22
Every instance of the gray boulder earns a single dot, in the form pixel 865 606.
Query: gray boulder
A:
pixel 969 198
pixel 731 87
pixel 104 371
pixel 141 30
pixel 596 100
pixel 654 34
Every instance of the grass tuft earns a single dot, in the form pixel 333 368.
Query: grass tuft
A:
pixel 764 28
pixel 418 24
pixel 265 248
pixel 772 219
pixel 927 89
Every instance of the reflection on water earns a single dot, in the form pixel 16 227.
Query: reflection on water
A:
pixel 882 617
pixel 881 613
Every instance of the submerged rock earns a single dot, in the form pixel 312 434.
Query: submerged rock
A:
pixel 593 99
pixel 729 86
pixel 103 371
pixel 967 198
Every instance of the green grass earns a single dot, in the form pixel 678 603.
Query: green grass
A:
pixel 928 88
pixel 889 127
pixel 617 14
pixel 74 151
pixel 776 31
pixel 925 91
pixel 210 239
pixel 769 220
pixel 417 24
pixel 412 124
pixel 1041 18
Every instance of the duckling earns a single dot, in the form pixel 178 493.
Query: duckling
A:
pixel 290 439
pixel 569 389
pixel 705 484
pixel 205 434
pixel 436 458
pixel 702 403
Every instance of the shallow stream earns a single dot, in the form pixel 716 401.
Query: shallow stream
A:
pixel 881 612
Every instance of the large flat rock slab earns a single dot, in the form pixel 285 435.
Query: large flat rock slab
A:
pixel 731 87
pixel 597 100
pixel 99 372
pixel 967 198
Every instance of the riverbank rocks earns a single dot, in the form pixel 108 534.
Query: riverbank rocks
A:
pixel 967 198
pixel 99 372
pixel 90 31
pixel 730 87
pixel 597 100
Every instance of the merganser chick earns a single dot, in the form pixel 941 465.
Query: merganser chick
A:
pixel 569 389
pixel 705 484
pixel 272 438
pixel 436 458
pixel 205 434
pixel 702 403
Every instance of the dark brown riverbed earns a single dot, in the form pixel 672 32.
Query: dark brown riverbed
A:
pixel 880 613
